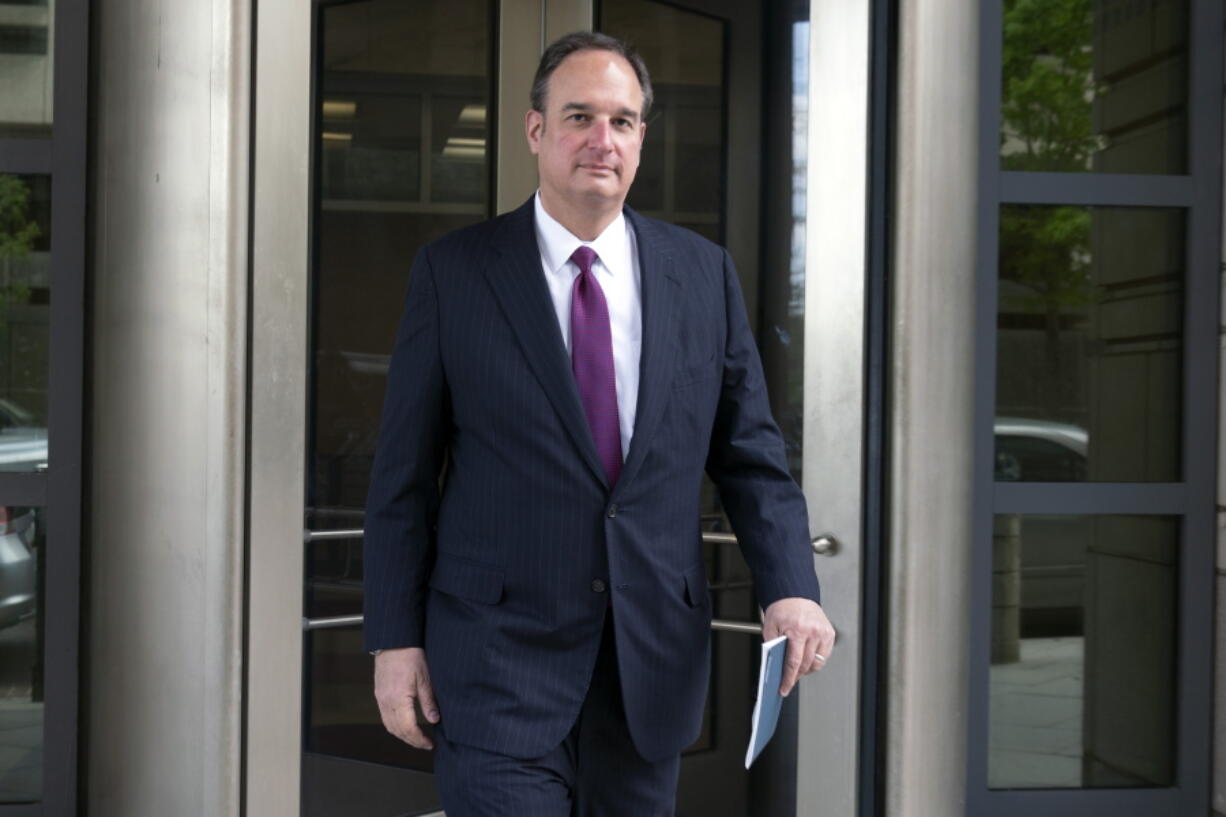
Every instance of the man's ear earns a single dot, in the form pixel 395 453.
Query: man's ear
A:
pixel 534 127
pixel 642 132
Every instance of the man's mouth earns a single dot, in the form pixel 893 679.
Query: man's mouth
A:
pixel 596 168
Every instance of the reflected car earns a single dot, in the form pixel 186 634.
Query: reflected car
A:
pixel 23 442
pixel 18 564
pixel 1029 450
pixel 1053 569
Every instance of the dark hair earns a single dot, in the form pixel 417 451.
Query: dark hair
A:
pixel 563 47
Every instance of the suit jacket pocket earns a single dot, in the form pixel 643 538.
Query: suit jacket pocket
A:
pixel 696 586
pixel 467 580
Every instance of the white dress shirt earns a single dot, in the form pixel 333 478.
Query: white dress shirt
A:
pixel 617 272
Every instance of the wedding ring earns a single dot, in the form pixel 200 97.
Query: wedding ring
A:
pixel 819 657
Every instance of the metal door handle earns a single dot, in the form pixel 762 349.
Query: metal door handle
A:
pixel 825 545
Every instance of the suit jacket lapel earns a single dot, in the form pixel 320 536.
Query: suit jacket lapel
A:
pixel 519 284
pixel 661 288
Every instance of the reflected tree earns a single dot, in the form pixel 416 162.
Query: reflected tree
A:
pixel 1048 86
pixel 17 235
pixel 1046 250
pixel 1047 89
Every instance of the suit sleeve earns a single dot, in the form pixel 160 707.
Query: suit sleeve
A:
pixel 402 503
pixel 748 464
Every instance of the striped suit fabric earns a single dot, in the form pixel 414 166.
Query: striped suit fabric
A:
pixel 493 538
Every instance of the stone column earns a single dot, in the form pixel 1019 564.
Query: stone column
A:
pixel 1006 588
pixel 932 406
pixel 164 525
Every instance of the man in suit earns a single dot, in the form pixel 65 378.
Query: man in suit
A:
pixel 561 378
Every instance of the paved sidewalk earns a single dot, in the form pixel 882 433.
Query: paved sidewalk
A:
pixel 21 721
pixel 1035 738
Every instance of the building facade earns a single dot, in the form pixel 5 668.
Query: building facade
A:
pixel 981 243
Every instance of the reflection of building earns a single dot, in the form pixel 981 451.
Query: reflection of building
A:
pixel 982 268
pixel 27 53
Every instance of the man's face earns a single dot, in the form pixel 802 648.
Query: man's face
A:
pixel 587 141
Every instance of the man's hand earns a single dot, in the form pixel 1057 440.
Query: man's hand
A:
pixel 402 678
pixel 810 637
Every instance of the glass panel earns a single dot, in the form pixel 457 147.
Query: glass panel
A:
pixel 1089 344
pixel 1082 683
pixel 1095 85
pixel 22 560
pixel 783 298
pixel 403 159
pixel 680 177
pixel 27 33
pixel 25 297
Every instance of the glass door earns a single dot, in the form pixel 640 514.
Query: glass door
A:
pixel 402 141
pixel 415 129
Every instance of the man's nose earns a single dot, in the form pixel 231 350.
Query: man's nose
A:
pixel 600 135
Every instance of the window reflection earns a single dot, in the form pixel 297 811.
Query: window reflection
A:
pixel 1089 344
pixel 22 557
pixel 25 295
pixel 680 177
pixel 1094 85
pixel 1075 601
pixel 403 132
pixel 27 31
pixel 403 158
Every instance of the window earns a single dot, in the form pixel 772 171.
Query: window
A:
pixel 43 51
pixel 1096 364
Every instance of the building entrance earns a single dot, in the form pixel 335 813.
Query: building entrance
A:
pixel 416 130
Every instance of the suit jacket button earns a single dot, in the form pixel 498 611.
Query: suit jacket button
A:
pixel 597 586
pixel 612 512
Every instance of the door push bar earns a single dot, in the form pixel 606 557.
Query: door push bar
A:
pixel 340 622
pixel 823 545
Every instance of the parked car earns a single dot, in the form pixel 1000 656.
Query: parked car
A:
pixel 1029 450
pixel 18 563
pixel 23 442
pixel 1054 551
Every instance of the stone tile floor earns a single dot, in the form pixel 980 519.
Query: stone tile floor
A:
pixel 21 720
pixel 1035 716
pixel 21 751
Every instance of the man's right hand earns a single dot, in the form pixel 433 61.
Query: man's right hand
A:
pixel 402 679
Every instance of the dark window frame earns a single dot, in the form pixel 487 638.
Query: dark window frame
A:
pixel 1199 193
pixel 58 490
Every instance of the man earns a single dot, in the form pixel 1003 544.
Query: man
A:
pixel 561 377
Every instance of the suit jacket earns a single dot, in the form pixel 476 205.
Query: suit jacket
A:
pixel 492 536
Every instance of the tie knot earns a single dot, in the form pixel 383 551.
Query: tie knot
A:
pixel 583 258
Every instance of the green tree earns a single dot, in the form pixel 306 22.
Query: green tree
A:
pixel 17 235
pixel 1048 85
pixel 1046 125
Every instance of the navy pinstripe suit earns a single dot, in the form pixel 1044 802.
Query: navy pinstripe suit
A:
pixel 505 568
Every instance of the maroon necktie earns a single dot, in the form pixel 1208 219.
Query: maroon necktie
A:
pixel 591 354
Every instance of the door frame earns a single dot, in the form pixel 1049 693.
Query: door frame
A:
pixel 837 391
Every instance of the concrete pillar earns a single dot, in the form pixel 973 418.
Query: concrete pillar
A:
pixel 164 527
pixel 932 406
pixel 1006 588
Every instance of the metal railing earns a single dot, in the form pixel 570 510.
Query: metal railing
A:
pixel 341 622
pixel 308 536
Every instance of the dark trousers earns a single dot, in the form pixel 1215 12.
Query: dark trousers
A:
pixel 594 772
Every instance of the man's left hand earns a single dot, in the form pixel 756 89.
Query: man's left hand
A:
pixel 810 637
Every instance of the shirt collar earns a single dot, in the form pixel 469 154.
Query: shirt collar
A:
pixel 557 243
